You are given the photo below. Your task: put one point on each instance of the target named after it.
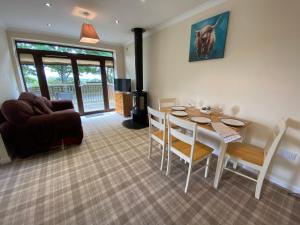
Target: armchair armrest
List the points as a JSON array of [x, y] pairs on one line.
[[62, 105], [51, 127], [59, 118]]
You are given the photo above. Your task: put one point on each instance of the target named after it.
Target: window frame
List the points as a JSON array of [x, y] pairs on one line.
[[38, 54], [61, 45]]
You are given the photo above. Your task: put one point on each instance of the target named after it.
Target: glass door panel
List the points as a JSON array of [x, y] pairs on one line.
[[29, 73], [91, 85], [60, 79], [110, 76]]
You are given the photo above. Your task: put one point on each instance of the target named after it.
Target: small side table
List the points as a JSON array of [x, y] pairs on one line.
[[123, 101]]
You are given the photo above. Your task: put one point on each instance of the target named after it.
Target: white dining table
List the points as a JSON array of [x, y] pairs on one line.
[[207, 128]]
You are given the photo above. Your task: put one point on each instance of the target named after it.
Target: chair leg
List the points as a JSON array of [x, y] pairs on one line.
[[162, 157], [188, 178], [259, 184], [150, 147], [207, 166], [169, 162]]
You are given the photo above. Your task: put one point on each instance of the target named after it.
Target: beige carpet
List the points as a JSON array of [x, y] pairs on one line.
[[110, 180]]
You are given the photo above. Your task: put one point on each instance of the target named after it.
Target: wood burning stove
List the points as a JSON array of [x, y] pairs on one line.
[[139, 112]]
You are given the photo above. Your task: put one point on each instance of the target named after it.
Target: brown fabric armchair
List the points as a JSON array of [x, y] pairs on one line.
[[34, 124]]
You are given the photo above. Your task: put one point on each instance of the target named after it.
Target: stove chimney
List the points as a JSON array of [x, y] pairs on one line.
[[138, 46], [139, 111]]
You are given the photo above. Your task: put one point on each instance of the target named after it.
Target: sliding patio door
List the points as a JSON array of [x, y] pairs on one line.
[[83, 76], [110, 77], [60, 79], [91, 85], [84, 82]]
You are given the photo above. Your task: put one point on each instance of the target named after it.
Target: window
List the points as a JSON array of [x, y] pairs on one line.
[[57, 72], [29, 73], [59, 48]]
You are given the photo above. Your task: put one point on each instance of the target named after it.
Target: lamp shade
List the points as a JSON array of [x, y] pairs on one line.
[[88, 34]]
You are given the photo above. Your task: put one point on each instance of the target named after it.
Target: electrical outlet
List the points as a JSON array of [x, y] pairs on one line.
[[291, 156]]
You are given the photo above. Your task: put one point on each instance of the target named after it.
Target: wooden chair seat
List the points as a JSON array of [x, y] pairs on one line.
[[200, 151], [246, 152]]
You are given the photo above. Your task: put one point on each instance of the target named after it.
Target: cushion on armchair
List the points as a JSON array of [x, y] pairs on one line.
[[2, 118], [16, 111], [40, 105]]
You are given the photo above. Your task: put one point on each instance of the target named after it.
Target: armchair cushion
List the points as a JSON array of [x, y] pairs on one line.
[[16, 111], [39, 104], [2, 119]]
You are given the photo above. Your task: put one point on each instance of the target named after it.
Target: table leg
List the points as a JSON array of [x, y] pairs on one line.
[[219, 169]]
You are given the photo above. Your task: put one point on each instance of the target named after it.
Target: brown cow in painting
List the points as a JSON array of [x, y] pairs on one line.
[[205, 39]]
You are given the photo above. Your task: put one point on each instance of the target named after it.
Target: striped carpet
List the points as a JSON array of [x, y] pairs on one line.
[[110, 180]]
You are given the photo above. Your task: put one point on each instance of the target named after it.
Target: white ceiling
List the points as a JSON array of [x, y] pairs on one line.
[[33, 16]]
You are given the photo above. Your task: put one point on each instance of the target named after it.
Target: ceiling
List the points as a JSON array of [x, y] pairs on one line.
[[33, 16]]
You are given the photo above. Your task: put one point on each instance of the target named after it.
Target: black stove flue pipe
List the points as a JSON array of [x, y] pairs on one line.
[[138, 46], [139, 111]]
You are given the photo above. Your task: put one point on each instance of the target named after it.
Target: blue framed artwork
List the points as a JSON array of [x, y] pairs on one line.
[[208, 38]]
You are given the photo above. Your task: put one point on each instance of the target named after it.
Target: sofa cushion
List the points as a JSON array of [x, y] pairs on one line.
[[48, 103], [16, 111], [2, 119], [40, 105], [28, 97]]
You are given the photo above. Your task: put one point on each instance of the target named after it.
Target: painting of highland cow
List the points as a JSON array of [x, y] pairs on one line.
[[208, 38]]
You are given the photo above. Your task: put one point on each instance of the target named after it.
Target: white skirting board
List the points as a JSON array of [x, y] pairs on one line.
[[279, 183]]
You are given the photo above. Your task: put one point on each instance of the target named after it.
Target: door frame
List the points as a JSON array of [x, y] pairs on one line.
[[38, 62]]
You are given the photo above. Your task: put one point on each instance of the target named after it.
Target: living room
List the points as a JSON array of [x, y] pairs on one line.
[[110, 115]]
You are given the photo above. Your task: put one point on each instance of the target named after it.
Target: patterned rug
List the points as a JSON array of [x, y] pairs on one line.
[[109, 180]]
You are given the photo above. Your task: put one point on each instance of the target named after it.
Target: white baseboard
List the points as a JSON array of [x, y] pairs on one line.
[[282, 184]]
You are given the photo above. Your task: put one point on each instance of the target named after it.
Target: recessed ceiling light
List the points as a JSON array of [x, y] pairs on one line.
[[117, 21], [48, 4], [49, 24], [143, 0]]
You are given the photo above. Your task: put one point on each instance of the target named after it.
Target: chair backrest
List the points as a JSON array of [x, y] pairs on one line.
[[185, 126], [274, 140], [166, 102], [156, 119]]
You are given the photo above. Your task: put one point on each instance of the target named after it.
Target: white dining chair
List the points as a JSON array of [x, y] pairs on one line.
[[157, 131], [166, 103], [254, 157], [186, 147]]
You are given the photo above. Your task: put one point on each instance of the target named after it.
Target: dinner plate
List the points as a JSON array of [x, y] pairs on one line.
[[178, 108], [200, 119], [233, 122], [179, 113]]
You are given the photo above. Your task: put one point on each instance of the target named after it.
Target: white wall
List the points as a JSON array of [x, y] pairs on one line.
[[259, 74], [8, 85]]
